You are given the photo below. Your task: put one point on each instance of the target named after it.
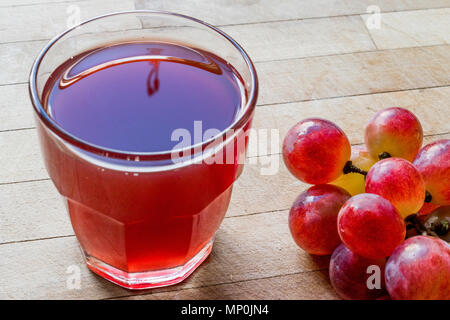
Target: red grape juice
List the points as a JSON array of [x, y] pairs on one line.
[[131, 97]]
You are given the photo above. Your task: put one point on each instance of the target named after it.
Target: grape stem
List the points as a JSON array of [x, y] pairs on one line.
[[351, 168], [428, 197], [384, 155], [438, 228]]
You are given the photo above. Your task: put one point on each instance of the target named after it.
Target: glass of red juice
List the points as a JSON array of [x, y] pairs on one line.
[[143, 119]]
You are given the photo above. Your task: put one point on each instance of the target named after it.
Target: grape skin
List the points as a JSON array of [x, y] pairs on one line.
[[419, 269], [315, 151], [370, 226], [348, 275], [313, 218]]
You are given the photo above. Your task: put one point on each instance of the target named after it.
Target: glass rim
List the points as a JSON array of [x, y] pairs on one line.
[[238, 122]]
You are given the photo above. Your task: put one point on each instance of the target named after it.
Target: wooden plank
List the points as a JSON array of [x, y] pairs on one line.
[[303, 286], [54, 18], [225, 12], [256, 193], [15, 107], [295, 39], [20, 157], [353, 74], [34, 210], [38, 269], [353, 113], [16, 60], [412, 29]]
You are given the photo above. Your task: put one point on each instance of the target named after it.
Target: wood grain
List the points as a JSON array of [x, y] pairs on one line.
[[223, 12], [412, 29]]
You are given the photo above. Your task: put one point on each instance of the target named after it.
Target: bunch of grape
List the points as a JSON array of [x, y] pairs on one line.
[[367, 199]]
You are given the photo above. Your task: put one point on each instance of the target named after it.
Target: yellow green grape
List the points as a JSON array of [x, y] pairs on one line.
[[354, 182]]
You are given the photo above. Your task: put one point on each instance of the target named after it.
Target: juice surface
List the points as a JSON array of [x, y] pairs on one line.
[[132, 96]]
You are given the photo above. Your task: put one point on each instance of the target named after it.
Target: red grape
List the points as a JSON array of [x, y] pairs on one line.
[[349, 275], [398, 181], [316, 151], [370, 226], [313, 218], [419, 269], [396, 131], [433, 162]]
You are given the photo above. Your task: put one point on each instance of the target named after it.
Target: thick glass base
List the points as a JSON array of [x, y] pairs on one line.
[[150, 279]]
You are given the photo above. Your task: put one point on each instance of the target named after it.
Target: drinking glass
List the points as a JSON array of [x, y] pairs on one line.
[[144, 219]]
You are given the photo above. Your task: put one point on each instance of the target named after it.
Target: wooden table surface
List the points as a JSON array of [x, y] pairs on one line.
[[314, 58]]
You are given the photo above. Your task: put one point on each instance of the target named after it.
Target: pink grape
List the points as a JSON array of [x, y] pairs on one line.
[[433, 162], [419, 269], [349, 274], [398, 181], [370, 226], [316, 151], [396, 131], [313, 218]]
